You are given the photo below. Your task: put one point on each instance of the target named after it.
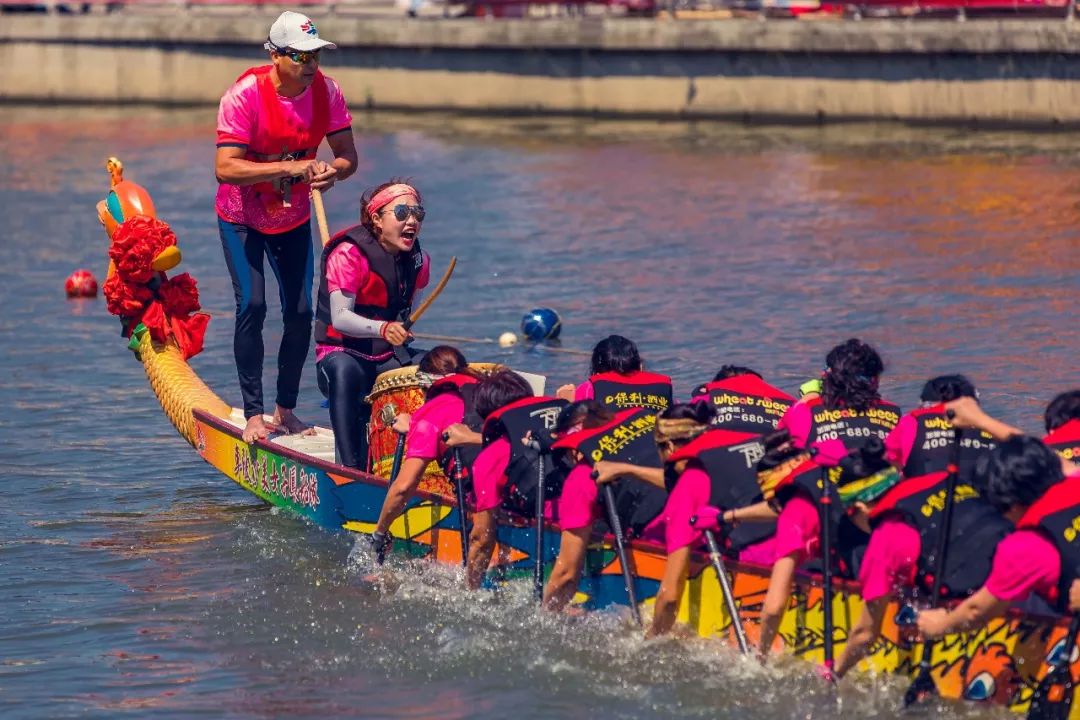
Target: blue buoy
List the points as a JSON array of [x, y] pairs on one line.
[[541, 324]]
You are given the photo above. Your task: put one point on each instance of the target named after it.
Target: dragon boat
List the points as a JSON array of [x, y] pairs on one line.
[[1001, 663]]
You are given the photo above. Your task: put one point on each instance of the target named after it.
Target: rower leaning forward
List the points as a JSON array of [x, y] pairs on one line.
[[271, 122]]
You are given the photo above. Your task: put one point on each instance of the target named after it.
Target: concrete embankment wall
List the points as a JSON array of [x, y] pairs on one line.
[[1014, 72]]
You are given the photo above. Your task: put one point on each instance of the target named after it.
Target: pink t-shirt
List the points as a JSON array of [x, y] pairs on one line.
[[346, 270], [890, 559], [577, 505], [238, 123], [900, 440], [1025, 562], [489, 478], [691, 493], [584, 391], [426, 427], [489, 474], [798, 420], [798, 529]]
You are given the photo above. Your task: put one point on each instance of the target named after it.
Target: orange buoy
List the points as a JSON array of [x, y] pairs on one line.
[[81, 284]]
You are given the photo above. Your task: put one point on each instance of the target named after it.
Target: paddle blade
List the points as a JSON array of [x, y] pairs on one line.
[[921, 689], [1053, 698]]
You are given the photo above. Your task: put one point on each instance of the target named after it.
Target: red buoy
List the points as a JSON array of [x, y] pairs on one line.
[[81, 284]]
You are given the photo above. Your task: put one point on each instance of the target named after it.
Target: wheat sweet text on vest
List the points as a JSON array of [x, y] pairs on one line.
[[732, 403]]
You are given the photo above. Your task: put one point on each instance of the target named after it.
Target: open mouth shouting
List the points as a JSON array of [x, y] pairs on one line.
[[408, 235]]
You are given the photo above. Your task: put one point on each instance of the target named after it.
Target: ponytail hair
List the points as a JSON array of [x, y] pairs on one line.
[[682, 422]]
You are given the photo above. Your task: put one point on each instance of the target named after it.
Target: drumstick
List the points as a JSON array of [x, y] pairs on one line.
[[434, 294]]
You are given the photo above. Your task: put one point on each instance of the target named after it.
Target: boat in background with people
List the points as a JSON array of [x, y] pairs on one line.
[[1002, 663]]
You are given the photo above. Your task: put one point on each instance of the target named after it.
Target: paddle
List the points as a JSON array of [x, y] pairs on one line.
[[725, 587], [824, 507], [320, 216], [538, 552], [620, 547], [400, 351], [395, 468], [459, 482], [923, 686], [1054, 695]]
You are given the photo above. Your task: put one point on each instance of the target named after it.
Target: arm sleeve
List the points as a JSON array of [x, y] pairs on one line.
[[347, 322], [346, 270]]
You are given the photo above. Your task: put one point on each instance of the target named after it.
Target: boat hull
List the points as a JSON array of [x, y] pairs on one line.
[[1001, 663]]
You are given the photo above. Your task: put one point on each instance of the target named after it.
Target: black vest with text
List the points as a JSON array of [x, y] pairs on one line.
[[387, 293], [634, 390], [975, 530], [536, 415], [851, 427], [628, 438], [932, 448], [745, 403], [730, 460]]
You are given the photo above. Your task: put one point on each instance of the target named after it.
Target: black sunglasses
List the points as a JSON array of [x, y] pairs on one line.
[[401, 212]]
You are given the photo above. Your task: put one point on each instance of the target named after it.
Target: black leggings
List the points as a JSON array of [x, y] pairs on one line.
[[345, 380]]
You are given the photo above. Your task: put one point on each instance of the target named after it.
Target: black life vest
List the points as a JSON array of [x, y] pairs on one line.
[[852, 427], [464, 386], [932, 450], [1057, 515], [1065, 440], [634, 390], [537, 415], [730, 460], [627, 438], [745, 403], [386, 295], [848, 540], [975, 530]]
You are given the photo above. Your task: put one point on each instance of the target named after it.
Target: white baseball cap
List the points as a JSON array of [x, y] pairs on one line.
[[295, 31]]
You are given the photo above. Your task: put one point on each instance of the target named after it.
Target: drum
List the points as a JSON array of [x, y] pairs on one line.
[[396, 391]]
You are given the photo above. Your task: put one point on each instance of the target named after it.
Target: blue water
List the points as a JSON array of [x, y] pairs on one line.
[[137, 581]]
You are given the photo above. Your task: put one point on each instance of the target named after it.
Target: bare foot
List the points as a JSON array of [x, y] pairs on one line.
[[257, 429], [287, 421]]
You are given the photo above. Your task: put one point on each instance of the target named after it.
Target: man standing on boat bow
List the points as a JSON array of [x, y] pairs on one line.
[[270, 125]]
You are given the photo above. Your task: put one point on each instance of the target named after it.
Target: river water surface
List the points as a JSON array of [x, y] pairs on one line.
[[136, 581]]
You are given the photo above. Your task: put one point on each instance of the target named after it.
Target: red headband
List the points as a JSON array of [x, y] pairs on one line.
[[388, 194]]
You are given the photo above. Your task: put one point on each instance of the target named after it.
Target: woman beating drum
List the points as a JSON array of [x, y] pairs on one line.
[[371, 274]]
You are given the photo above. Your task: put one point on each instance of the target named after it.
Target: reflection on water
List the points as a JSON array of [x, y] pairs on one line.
[[135, 579]]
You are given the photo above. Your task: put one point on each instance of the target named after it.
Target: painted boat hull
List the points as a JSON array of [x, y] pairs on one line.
[[999, 664]]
